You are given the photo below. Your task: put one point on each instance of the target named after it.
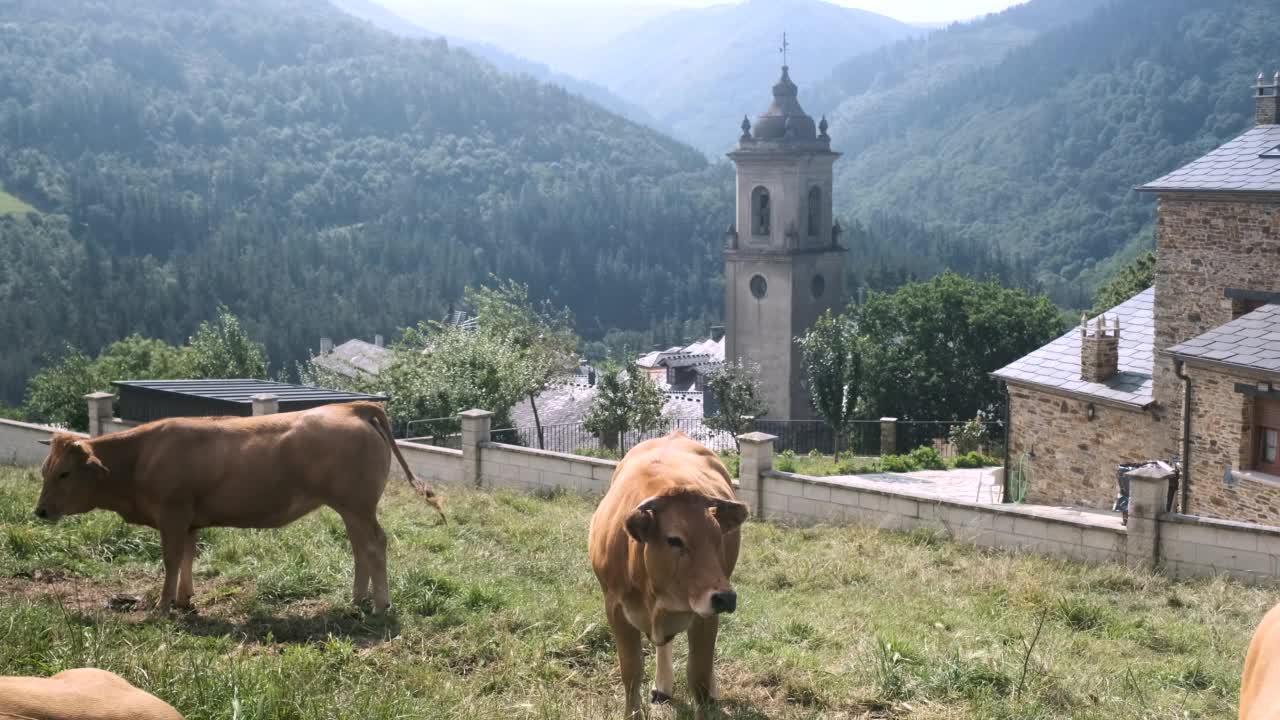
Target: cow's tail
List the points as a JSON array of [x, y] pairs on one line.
[[379, 421]]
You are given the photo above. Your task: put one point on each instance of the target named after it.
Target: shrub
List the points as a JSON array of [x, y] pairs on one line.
[[785, 462], [927, 458], [975, 460], [598, 453], [970, 436], [897, 463]]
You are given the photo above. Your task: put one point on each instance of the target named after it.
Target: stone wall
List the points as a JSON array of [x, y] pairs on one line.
[[519, 468], [1205, 246], [435, 465], [1203, 547], [19, 443], [1068, 458], [1222, 443]]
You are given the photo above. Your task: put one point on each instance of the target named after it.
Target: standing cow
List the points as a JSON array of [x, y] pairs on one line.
[[1260, 683], [183, 474], [663, 544]]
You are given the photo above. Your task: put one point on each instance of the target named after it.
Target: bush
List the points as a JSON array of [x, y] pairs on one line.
[[976, 460], [897, 463], [785, 462], [927, 458], [598, 453], [969, 437]]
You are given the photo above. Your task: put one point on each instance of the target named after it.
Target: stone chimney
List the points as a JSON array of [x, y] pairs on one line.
[[1099, 350], [379, 341], [326, 345], [717, 333], [1267, 111]]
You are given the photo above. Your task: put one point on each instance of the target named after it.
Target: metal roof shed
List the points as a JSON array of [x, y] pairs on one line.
[[146, 400]]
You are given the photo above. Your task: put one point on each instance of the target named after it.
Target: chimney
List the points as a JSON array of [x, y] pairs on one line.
[[326, 345], [717, 333], [379, 341], [1099, 350], [1267, 111]]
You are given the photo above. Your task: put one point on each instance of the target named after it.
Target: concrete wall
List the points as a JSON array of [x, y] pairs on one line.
[[519, 468], [434, 465], [1204, 246], [1200, 547], [1071, 459], [19, 443]]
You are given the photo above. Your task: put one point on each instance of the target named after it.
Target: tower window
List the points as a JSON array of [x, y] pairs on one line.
[[761, 211], [818, 286], [759, 287], [815, 212]]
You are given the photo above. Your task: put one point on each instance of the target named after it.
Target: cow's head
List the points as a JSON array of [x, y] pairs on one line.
[[71, 473], [683, 539]]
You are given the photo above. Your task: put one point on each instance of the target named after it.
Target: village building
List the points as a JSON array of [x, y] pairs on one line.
[[1188, 370], [354, 358]]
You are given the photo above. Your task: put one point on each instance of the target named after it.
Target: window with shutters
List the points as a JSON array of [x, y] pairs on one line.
[[1266, 457]]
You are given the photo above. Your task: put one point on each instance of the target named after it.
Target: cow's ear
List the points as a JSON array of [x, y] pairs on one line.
[[641, 524], [730, 515], [90, 459]]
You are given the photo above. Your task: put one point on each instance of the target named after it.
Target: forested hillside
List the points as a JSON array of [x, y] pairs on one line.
[[319, 177], [1028, 130], [699, 70]]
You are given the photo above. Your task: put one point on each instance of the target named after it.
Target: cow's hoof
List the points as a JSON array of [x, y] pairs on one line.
[[659, 698]]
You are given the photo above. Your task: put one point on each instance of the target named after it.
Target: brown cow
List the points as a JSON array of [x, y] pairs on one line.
[[663, 544], [1260, 685], [81, 694], [183, 474]]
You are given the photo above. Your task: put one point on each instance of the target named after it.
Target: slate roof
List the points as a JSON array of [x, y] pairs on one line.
[[1251, 341], [1056, 366], [354, 357], [1249, 163]]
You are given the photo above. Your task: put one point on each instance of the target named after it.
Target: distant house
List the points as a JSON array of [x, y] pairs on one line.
[[1189, 369], [354, 358]]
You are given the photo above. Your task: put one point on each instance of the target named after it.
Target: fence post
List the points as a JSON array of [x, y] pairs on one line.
[[99, 411], [888, 436], [1148, 494], [265, 404], [475, 431], [755, 460]]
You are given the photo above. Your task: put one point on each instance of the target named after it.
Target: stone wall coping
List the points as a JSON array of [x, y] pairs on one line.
[[1231, 525], [1095, 399], [41, 428], [429, 448], [593, 462], [1101, 523]]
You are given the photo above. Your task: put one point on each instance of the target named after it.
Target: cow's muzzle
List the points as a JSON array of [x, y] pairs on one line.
[[47, 516], [724, 602]]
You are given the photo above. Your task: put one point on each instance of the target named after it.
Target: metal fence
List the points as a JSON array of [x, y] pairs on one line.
[[798, 436]]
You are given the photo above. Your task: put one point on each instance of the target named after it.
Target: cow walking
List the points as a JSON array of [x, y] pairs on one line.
[[663, 543], [80, 694], [1260, 684], [183, 474]]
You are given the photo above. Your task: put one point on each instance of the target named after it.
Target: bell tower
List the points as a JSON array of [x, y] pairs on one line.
[[784, 265]]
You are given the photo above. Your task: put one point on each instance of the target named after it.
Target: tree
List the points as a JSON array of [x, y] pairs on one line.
[[625, 400], [929, 347], [221, 349], [55, 395], [1130, 280], [541, 334], [736, 390], [832, 359]]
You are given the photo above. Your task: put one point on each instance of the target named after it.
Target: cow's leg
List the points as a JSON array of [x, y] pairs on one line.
[[357, 535], [702, 653], [186, 582], [378, 567], [173, 543], [630, 660], [664, 676]]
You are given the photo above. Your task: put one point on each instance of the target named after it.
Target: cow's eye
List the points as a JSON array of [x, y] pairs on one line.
[[65, 474], [675, 542]]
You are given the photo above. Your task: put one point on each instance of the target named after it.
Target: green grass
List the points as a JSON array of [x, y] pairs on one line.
[[499, 616], [10, 205]]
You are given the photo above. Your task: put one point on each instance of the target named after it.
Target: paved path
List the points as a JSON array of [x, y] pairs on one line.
[[971, 486]]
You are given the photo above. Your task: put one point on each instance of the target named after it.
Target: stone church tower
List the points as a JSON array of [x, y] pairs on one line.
[[783, 262]]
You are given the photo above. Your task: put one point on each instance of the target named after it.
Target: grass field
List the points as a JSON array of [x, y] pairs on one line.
[[10, 205], [498, 616]]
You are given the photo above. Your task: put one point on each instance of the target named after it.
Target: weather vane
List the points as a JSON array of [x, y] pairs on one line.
[[783, 49]]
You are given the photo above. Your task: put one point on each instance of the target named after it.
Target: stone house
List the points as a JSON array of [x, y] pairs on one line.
[[1191, 371], [354, 358]]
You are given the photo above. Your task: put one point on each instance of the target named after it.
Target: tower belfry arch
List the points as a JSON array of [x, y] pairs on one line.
[[784, 265]]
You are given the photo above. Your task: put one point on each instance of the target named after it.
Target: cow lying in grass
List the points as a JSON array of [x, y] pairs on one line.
[[663, 543], [82, 694], [183, 474]]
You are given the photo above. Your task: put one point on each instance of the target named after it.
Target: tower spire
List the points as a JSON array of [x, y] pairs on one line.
[[785, 46]]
